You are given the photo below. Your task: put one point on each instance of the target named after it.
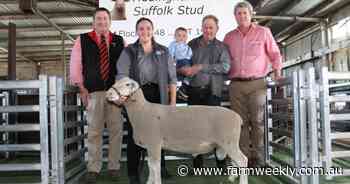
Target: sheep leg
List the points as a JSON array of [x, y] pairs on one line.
[[154, 154], [220, 153], [150, 172], [238, 160]]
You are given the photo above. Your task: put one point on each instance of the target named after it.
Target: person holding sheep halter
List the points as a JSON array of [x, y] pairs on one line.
[[151, 65]]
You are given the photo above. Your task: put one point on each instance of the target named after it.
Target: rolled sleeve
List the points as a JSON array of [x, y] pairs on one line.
[[172, 70], [273, 51], [75, 64], [123, 65]]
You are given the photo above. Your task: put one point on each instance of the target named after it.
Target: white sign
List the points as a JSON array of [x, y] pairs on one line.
[[167, 15]]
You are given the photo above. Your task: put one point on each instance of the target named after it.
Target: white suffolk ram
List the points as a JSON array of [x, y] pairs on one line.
[[192, 129]]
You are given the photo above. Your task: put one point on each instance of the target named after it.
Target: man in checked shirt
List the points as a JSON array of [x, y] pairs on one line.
[[252, 49], [92, 69]]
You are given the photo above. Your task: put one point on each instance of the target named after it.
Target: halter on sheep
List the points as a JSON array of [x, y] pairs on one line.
[[157, 126]]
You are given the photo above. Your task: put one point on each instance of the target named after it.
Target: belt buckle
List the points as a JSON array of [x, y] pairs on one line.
[[203, 87]]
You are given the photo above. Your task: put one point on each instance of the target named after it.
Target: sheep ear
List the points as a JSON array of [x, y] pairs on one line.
[[133, 85]]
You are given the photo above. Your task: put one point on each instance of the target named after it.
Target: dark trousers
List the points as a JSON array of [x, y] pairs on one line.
[[151, 93], [203, 96]]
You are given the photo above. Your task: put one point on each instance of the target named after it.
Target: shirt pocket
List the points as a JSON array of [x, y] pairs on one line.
[[255, 48]]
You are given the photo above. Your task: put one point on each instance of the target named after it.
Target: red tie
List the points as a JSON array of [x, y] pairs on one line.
[[104, 64]]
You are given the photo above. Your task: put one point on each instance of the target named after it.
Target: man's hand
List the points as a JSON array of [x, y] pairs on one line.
[[190, 71], [84, 95], [277, 75], [196, 68]]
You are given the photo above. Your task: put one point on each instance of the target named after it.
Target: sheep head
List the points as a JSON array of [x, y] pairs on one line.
[[120, 4], [122, 88]]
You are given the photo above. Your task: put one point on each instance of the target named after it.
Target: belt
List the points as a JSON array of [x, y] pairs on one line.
[[149, 84], [200, 87], [247, 79]]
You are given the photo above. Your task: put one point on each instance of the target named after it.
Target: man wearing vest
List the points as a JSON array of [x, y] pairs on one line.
[[93, 58]]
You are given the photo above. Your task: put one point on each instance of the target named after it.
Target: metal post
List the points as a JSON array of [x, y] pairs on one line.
[[44, 137], [53, 130], [325, 121], [268, 125], [57, 129], [303, 133], [313, 128], [12, 137], [12, 52], [5, 117], [64, 57], [325, 43], [296, 113], [60, 130], [80, 118]]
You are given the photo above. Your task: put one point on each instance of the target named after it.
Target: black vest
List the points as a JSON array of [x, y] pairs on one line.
[[91, 62]]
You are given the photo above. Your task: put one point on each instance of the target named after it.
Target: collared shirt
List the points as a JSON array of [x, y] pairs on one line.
[[75, 65], [148, 70], [252, 53], [214, 58], [180, 50], [147, 66]]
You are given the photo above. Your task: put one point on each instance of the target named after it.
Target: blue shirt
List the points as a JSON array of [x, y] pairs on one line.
[[180, 50]]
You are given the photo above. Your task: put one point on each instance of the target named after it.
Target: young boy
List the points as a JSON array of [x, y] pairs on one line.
[[182, 54]]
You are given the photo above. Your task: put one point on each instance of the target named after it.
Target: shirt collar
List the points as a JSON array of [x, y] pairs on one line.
[[202, 42], [96, 38], [252, 26]]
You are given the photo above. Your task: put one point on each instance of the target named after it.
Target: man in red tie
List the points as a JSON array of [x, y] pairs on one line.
[[93, 58]]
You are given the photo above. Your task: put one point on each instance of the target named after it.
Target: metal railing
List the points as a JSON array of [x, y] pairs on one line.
[[61, 115], [331, 117], [41, 126], [67, 133], [292, 118], [282, 123], [4, 121], [298, 124]]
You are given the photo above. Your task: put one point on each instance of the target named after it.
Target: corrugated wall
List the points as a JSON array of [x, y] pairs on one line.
[[25, 71]]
